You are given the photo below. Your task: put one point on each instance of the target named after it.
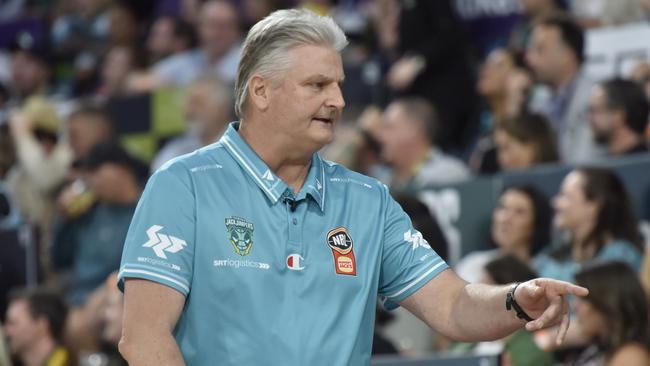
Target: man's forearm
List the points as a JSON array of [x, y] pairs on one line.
[[479, 313]]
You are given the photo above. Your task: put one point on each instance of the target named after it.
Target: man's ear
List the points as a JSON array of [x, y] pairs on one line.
[[258, 92]]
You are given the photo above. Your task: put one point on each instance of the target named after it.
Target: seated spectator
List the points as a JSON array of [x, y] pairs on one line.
[[406, 137], [30, 69], [619, 116], [88, 126], [89, 248], [521, 225], [119, 64], [524, 141], [208, 109], [614, 316], [499, 85], [218, 52], [519, 348], [34, 328], [556, 56], [595, 210], [169, 36]]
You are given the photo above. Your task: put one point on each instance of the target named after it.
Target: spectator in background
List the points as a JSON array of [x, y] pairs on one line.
[[118, 65], [504, 87], [127, 21], [593, 14], [88, 248], [534, 11], [91, 246], [556, 55], [42, 161], [88, 126], [34, 328], [614, 316], [30, 70], [524, 141], [521, 226], [80, 35], [218, 53], [518, 349], [595, 210], [207, 112], [434, 62], [169, 36], [407, 131], [619, 116]]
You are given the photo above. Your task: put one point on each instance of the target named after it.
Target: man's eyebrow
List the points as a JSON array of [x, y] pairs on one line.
[[321, 77]]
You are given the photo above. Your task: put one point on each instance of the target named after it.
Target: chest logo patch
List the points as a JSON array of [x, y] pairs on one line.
[[342, 250], [240, 234]]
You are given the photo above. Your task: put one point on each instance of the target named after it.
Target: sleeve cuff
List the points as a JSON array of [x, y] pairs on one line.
[[391, 301], [157, 276]]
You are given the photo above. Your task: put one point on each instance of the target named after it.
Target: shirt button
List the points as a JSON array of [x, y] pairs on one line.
[[295, 222]]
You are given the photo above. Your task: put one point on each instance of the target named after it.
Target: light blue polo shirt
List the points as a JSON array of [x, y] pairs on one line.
[[268, 281]]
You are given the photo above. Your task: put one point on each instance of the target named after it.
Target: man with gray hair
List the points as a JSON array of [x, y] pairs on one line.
[[254, 251]]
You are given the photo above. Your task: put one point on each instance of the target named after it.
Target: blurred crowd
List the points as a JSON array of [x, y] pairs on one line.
[[435, 96]]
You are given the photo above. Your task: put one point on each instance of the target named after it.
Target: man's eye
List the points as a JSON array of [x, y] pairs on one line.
[[318, 85]]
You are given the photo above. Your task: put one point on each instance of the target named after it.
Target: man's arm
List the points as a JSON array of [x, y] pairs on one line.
[[477, 312], [151, 311]]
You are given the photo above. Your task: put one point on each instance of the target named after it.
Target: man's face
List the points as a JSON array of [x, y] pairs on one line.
[[21, 329], [106, 181], [546, 53], [27, 73], [86, 131], [308, 101], [600, 117], [218, 27], [204, 112], [397, 134]]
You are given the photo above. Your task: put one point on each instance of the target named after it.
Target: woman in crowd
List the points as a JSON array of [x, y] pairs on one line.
[[614, 316], [520, 226], [595, 210], [524, 141]]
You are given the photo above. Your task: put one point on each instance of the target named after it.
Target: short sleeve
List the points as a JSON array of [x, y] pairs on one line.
[[407, 262], [160, 242]]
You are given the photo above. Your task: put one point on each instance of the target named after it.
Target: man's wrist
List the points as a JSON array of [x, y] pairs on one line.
[[512, 304]]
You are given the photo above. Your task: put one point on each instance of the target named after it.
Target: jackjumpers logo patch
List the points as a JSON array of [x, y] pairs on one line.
[[341, 244], [240, 234]]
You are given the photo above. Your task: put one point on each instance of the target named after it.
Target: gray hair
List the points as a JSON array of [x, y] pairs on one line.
[[265, 48]]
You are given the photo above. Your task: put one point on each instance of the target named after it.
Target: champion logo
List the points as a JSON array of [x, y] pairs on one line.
[[268, 176], [161, 243], [295, 262]]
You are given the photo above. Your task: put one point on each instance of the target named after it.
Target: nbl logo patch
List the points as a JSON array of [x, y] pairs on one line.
[[341, 244]]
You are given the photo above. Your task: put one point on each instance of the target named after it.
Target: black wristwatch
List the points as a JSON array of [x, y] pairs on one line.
[[511, 303]]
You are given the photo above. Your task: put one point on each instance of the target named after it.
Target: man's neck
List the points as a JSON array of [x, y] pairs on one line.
[[37, 355], [287, 162], [562, 82], [498, 107], [623, 141]]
